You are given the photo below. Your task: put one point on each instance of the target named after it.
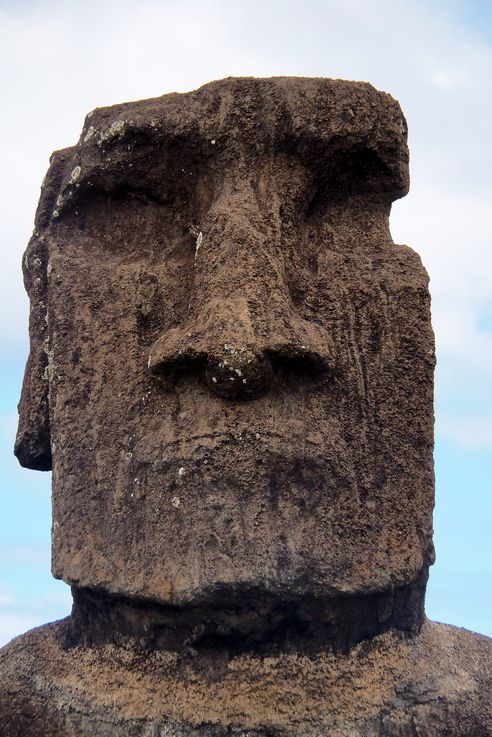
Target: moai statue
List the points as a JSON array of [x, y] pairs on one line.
[[231, 376]]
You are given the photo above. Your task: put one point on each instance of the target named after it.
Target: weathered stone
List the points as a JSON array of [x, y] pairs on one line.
[[434, 684], [226, 314], [231, 372]]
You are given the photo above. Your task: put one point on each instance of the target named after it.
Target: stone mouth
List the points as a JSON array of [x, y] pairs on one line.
[[245, 439], [236, 435], [265, 625]]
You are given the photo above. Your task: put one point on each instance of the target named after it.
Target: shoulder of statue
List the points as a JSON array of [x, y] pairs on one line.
[[452, 681], [25, 664]]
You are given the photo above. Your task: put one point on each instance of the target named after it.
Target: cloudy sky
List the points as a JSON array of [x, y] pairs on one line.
[[58, 60]]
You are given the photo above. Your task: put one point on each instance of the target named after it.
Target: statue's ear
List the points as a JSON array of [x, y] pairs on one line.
[[33, 441], [33, 444]]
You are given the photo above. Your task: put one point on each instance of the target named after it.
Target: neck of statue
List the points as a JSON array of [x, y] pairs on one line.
[[260, 624]]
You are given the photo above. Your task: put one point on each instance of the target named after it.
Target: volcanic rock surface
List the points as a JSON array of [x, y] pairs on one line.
[[231, 376], [435, 684], [239, 360]]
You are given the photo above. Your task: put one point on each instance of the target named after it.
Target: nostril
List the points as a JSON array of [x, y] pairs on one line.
[[183, 363], [243, 372], [298, 364], [239, 373]]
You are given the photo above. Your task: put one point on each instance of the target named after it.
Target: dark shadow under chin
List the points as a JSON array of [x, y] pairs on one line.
[[234, 621]]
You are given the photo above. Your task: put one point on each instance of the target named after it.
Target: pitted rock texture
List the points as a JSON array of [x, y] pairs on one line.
[[434, 684], [237, 359], [260, 625], [231, 375]]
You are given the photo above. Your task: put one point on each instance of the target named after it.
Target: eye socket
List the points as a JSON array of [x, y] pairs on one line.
[[348, 175]]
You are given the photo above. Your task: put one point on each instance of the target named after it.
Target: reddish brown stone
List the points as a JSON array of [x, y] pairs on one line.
[[231, 372], [240, 359]]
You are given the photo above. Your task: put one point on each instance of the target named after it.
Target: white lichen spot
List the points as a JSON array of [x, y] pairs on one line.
[[175, 501], [214, 379], [59, 200], [198, 235], [199, 240], [213, 141], [89, 134], [56, 214], [116, 130], [75, 174], [181, 471]]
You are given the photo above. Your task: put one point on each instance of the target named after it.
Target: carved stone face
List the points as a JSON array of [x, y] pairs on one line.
[[238, 360]]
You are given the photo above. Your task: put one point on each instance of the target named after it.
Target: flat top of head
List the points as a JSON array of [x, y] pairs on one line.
[[320, 121]]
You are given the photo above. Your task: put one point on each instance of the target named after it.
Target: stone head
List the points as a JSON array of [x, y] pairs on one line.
[[231, 362]]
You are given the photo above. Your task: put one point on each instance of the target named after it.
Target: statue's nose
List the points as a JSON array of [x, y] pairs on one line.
[[239, 372], [223, 344], [237, 356], [241, 320]]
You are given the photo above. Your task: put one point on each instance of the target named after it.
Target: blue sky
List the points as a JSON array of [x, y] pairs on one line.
[[59, 60]]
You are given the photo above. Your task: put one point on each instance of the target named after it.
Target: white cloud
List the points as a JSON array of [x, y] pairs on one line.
[[12, 625], [450, 79]]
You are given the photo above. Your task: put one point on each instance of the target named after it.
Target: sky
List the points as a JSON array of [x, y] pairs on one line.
[[59, 60]]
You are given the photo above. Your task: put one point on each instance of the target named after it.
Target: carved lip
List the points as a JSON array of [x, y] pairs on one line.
[[235, 438]]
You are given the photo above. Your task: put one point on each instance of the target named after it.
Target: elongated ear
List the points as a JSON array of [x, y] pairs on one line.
[[33, 441], [33, 444]]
